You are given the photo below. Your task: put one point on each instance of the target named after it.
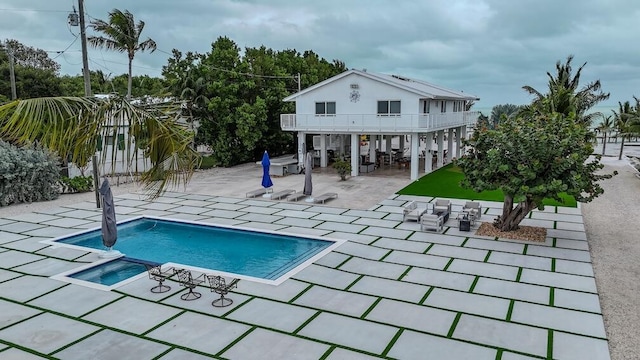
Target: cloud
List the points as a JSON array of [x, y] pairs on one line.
[[489, 48]]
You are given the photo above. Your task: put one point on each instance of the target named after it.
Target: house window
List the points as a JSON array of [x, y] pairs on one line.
[[426, 106], [326, 108], [443, 106], [389, 107]]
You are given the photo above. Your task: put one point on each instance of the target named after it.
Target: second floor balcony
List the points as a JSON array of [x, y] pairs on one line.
[[374, 123]]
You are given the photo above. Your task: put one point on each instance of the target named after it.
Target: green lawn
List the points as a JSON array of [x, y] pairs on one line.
[[445, 182]]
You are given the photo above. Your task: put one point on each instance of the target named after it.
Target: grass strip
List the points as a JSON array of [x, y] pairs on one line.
[[392, 342], [486, 258], [364, 315], [453, 326], [510, 311], [464, 242], [519, 274], [237, 340], [553, 264], [385, 255], [353, 282], [163, 323], [344, 262], [448, 264], [327, 353], [27, 350], [550, 345], [300, 294], [473, 284], [310, 319], [405, 273], [551, 296], [426, 295], [76, 341], [428, 248]]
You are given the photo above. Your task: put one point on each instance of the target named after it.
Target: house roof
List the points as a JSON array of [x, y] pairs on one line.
[[419, 87]]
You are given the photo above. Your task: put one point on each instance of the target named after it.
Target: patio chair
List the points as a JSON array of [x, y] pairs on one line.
[[442, 205], [431, 222], [324, 197], [411, 212], [219, 285], [155, 273], [188, 281], [281, 194], [473, 208]]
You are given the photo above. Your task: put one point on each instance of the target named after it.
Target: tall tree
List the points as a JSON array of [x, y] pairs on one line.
[[498, 111], [29, 56], [564, 95], [121, 34], [627, 121], [605, 126]]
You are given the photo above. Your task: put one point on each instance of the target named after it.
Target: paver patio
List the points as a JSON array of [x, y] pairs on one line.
[[391, 291]]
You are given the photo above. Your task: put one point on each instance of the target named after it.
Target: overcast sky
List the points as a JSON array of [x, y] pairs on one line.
[[488, 48]]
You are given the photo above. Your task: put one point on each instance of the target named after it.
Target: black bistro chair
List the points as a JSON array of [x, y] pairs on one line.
[[189, 282], [219, 286], [155, 273]]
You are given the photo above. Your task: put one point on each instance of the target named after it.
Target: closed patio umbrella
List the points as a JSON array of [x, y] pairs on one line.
[[266, 178], [308, 167], [109, 225]]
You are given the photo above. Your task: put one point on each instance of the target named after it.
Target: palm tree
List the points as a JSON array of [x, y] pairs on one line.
[[122, 34], [71, 126], [564, 96], [605, 126], [627, 121]]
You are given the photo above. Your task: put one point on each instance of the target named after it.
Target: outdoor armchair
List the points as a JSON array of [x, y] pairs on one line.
[[411, 212], [219, 285], [189, 282], [473, 208], [442, 205], [431, 222]]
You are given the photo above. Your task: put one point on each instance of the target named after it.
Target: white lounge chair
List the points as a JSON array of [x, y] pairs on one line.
[[296, 196], [259, 192], [324, 197], [431, 222], [411, 212], [281, 194]]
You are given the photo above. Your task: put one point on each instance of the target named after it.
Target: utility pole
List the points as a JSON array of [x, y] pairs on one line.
[[85, 61], [299, 82], [12, 73]]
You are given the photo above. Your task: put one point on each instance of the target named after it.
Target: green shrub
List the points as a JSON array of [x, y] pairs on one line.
[[76, 184], [343, 168], [28, 174], [207, 162]]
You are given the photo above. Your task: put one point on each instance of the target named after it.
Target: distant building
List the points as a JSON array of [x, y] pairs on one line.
[[359, 104]]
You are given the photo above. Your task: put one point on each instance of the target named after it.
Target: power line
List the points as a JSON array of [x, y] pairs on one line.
[[67, 48]]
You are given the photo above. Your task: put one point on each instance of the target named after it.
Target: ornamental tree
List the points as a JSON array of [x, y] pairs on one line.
[[532, 157]]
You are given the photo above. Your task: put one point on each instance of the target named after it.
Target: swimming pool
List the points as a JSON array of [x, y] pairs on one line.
[[111, 272], [246, 252]]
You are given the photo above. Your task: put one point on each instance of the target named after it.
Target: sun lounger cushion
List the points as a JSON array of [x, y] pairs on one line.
[[258, 192], [324, 197]]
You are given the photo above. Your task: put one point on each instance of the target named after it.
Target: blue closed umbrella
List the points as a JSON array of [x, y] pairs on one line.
[[266, 179]]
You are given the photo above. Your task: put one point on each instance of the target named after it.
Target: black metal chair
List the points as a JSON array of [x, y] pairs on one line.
[[188, 281], [155, 273], [219, 286]]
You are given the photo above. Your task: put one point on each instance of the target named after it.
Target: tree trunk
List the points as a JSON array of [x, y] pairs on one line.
[[129, 80], [511, 217], [604, 142], [621, 148]]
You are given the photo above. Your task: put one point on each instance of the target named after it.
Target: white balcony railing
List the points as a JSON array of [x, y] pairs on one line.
[[376, 123]]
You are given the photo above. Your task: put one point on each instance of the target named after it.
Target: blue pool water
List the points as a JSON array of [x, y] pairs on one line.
[[111, 273], [250, 253]]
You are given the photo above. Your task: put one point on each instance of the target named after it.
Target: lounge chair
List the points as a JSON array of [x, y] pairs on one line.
[[296, 196], [219, 285], [188, 281], [411, 212], [432, 222], [473, 208], [259, 192], [281, 194], [442, 205], [324, 197], [156, 274]]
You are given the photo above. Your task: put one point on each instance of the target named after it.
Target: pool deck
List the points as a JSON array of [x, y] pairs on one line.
[[390, 291]]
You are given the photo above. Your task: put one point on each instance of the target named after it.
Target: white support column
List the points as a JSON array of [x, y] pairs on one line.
[[401, 146], [450, 145], [463, 135], [301, 149], [428, 155], [440, 148], [372, 148], [343, 142], [458, 142], [323, 150], [387, 146], [355, 154], [415, 161]]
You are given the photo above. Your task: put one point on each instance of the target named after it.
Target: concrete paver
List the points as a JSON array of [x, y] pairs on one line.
[[105, 343], [413, 345]]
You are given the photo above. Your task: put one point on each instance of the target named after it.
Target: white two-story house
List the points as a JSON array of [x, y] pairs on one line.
[[357, 102]]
